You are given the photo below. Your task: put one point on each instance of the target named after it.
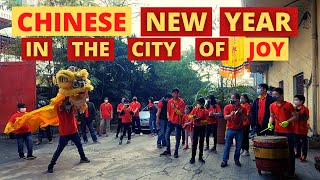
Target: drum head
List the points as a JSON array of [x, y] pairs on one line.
[[270, 139]]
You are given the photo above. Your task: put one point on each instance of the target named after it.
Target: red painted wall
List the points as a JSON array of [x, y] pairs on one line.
[[17, 85]]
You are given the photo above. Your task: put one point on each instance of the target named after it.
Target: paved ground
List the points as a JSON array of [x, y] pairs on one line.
[[138, 160]]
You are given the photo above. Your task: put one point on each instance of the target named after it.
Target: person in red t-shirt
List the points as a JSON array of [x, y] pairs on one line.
[[282, 114], [68, 131], [199, 116], [187, 125], [214, 112], [119, 109], [245, 102], [126, 115], [106, 115], [136, 107], [300, 127], [23, 134], [175, 108], [235, 115]]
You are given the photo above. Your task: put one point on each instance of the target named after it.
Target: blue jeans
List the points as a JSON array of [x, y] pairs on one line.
[[84, 131], [170, 128], [162, 130], [48, 131], [237, 134], [27, 139], [291, 144], [63, 141], [152, 124]]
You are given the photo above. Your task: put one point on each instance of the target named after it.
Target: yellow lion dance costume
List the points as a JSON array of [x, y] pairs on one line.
[[72, 83]]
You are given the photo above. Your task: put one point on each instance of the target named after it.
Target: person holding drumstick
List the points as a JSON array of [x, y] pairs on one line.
[[282, 114]]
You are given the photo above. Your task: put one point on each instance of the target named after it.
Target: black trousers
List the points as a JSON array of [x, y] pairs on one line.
[[211, 128], [119, 126], [126, 127], [245, 138], [198, 131], [183, 136], [302, 143]]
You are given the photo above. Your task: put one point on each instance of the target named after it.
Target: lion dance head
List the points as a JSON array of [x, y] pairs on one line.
[[74, 83]]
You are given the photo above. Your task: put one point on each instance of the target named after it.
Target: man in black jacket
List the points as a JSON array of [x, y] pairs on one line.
[[260, 111], [87, 119]]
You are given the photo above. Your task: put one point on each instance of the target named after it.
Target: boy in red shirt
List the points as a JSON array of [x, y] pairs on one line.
[[106, 115], [119, 109], [23, 134], [136, 107], [282, 114], [68, 131], [200, 117], [235, 114], [244, 100], [187, 125], [175, 108], [301, 127], [126, 115], [214, 112]]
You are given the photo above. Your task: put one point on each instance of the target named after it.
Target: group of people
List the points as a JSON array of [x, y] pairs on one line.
[[269, 114]]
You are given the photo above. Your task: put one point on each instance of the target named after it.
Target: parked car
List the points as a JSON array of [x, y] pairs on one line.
[[144, 118]]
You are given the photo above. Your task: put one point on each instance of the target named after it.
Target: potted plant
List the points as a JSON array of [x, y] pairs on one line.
[[317, 162]]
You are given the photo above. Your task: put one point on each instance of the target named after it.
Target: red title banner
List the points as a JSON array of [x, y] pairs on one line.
[[259, 21], [163, 21]]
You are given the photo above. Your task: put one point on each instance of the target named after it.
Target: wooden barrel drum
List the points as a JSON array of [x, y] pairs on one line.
[[271, 154]]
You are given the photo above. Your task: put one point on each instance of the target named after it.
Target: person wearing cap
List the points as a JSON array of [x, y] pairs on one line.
[[136, 107], [68, 131], [126, 114], [260, 111], [162, 120], [23, 134], [106, 115], [119, 109], [200, 116], [235, 115], [175, 110]]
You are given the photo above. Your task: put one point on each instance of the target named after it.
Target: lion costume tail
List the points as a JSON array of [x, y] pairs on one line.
[[41, 117]]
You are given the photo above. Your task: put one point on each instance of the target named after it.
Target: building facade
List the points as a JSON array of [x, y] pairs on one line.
[[299, 75]]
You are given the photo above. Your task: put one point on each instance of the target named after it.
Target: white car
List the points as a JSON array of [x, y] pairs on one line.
[[145, 116]]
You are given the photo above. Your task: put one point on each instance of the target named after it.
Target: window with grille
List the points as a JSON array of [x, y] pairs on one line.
[[298, 84]]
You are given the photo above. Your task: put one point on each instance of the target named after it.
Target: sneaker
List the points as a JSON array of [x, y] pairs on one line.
[[51, 142], [245, 153], [85, 160], [141, 134], [159, 146], [202, 160], [120, 142], [238, 163], [224, 164], [151, 134], [176, 155], [30, 157], [38, 143], [165, 153], [206, 148], [213, 149], [192, 161], [303, 158], [85, 142], [50, 168], [185, 147], [253, 158], [242, 151], [132, 134], [22, 157], [128, 142]]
